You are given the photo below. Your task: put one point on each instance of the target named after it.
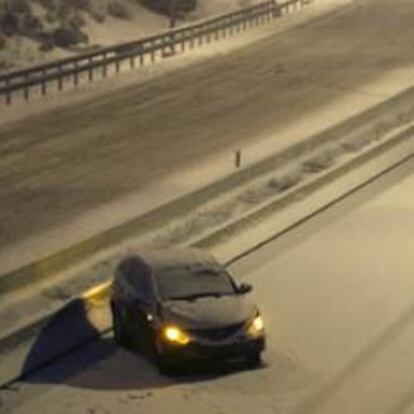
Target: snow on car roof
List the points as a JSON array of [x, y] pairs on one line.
[[188, 258]]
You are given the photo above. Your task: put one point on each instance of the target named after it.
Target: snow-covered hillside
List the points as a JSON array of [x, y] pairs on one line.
[[38, 30]]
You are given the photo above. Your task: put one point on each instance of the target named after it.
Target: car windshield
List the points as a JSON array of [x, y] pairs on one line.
[[190, 283]]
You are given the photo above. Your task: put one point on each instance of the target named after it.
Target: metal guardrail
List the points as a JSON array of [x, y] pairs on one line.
[[72, 68]]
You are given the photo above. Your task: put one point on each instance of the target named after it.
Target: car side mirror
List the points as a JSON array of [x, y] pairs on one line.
[[245, 288]]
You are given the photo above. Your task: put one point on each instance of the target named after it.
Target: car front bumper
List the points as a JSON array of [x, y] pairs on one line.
[[203, 351]]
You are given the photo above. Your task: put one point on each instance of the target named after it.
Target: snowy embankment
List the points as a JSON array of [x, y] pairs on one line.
[[102, 23]]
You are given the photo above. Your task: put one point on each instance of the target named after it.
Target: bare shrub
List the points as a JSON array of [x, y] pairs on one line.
[[119, 10], [3, 41], [20, 7], [50, 5], [76, 21], [164, 6], [63, 12], [46, 41], [99, 15], [9, 23], [51, 17], [81, 4], [30, 25], [66, 37]]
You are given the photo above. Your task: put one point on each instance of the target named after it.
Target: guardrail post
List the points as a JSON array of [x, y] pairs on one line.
[[249, 19], [26, 89], [44, 83], [182, 41], [90, 71], [200, 39], [8, 93], [152, 52], [105, 66], [141, 57], [163, 50], [60, 78], [117, 64], [217, 33], [172, 41], [191, 39], [75, 75]]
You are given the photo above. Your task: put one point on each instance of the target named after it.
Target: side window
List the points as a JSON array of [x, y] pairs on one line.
[[141, 285], [137, 279], [146, 291]]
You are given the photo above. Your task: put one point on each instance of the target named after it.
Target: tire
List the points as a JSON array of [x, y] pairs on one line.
[[120, 335], [164, 365], [165, 368], [254, 359]]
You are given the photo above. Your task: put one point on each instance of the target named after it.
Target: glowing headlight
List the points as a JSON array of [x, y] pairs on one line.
[[256, 327], [175, 335]]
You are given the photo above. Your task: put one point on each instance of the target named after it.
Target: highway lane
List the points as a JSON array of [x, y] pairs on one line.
[[336, 294]]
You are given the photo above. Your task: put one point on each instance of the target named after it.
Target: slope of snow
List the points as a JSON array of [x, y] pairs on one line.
[[142, 22]]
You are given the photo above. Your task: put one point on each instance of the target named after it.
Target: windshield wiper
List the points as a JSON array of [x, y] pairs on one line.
[[195, 296]]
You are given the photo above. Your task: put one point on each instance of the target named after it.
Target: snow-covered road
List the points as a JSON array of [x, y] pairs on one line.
[[336, 294], [60, 166]]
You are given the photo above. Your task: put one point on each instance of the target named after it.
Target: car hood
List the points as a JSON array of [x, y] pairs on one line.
[[209, 312]]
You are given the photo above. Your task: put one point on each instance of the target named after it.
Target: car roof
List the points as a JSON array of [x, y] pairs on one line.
[[156, 261]]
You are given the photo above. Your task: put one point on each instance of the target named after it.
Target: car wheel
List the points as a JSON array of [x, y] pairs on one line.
[[164, 365], [120, 335], [254, 359]]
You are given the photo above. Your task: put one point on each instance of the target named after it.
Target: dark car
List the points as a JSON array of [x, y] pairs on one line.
[[182, 306]]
